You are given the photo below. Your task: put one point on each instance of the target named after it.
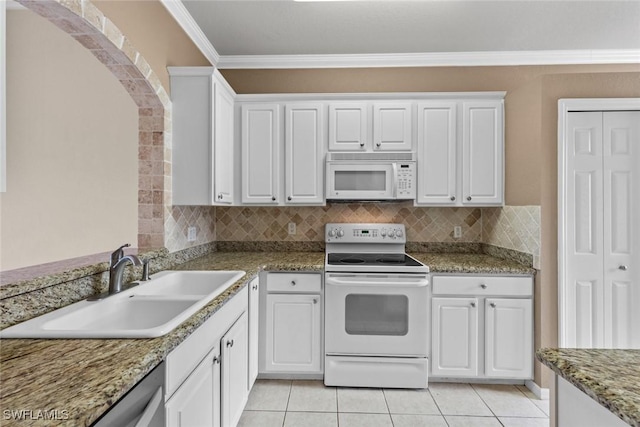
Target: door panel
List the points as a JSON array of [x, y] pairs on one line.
[[454, 337]]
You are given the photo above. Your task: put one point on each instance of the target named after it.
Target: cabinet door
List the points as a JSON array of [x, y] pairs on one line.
[[223, 142], [304, 153], [482, 153], [192, 405], [260, 153], [437, 154], [254, 314], [392, 129], [348, 127], [454, 351], [293, 333], [234, 371], [508, 338]]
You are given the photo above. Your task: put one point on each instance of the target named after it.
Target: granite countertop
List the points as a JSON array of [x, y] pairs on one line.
[[610, 377], [82, 378]]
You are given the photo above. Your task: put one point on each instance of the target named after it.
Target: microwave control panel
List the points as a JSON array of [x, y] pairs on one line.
[[406, 180]]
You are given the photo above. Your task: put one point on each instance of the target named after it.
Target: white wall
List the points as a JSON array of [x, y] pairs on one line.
[[72, 144]]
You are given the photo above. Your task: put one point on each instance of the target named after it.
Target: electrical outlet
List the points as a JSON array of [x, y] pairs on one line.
[[457, 232], [292, 228], [191, 234]]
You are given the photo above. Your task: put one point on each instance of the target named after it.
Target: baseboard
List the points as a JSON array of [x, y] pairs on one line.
[[541, 393]]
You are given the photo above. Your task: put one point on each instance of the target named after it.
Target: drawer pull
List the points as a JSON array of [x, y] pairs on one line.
[[483, 286], [230, 343]]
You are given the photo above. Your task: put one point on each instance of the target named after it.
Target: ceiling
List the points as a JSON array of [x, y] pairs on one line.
[[392, 27]]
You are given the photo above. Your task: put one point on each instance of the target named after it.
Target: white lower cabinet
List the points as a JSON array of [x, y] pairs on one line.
[[482, 327], [293, 324], [254, 325], [207, 374]]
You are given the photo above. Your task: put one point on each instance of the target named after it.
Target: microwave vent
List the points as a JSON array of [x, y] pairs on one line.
[[371, 156]]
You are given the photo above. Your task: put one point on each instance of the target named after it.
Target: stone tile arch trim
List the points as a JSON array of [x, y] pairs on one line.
[[83, 21]]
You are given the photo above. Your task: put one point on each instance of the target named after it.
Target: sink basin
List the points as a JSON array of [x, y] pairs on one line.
[[149, 310]]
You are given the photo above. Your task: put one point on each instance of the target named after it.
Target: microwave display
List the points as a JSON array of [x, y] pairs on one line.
[[365, 180]]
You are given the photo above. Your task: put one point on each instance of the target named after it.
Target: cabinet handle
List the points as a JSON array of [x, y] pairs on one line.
[[216, 360], [623, 267], [315, 300], [254, 287], [468, 198], [473, 304], [293, 283], [493, 305], [273, 198], [483, 286], [230, 343], [453, 198]]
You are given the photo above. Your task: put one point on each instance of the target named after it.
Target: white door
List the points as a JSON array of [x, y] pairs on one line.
[[392, 129], [348, 127], [601, 234], [293, 333], [223, 142], [254, 325], [454, 337], [260, 153], [437, 153], [192, 405], [234, 372], [621, 192], [482, 152], [304, 153], [508, 338]]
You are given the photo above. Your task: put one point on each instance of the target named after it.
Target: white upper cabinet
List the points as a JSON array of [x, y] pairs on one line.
[[203, 122], [482, 153], [304, 153], [392, 129], [260, 154], [460, 153], [348, 127], [437, 149]]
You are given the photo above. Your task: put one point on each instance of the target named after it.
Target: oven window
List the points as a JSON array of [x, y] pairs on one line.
[[360, 180], [376, 314]]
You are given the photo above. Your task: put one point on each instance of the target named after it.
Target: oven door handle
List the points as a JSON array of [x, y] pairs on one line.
[[418, 283]]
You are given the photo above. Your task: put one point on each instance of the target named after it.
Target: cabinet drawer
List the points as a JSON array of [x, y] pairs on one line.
[[294, 282], [483, 285]]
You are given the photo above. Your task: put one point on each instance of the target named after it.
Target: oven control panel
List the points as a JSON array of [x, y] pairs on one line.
[[365, 233]]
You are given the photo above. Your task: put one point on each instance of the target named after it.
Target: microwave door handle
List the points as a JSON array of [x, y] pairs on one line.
[[394, 167]]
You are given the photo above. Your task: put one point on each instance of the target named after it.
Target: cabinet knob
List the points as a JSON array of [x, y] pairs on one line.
[[493, 305], [483, 286], [473, 304], [468, 198], [289, 198], [254, 287], [623, 267], [362, 144], [453, 198], [378, 144], [219, 196], [216, 360], [293, 283], [230, 343], [315, 300], [273, 198]]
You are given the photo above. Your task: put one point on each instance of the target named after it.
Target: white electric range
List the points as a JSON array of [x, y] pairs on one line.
[[376, 308]]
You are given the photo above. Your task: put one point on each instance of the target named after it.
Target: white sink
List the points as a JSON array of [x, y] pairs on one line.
[[149, 310]]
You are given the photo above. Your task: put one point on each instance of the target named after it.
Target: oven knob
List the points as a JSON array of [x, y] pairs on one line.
[[383, 232], [332, 233], [392, 234], [399, 233], [340, 233]]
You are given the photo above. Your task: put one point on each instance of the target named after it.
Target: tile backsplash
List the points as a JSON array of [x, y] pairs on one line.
[[513, 227], [271, 223]]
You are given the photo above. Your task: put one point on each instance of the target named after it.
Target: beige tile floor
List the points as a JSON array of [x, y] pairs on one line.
[[284, 403]]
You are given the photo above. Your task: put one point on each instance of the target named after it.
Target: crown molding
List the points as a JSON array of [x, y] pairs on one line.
[[182, 16], [369, 96], [435, 59]]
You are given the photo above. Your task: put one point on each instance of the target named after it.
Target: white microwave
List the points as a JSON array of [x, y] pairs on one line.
[[370, 176]]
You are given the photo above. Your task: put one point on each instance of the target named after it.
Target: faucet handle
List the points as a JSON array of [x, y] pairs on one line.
[[145, 271], [118, 254]]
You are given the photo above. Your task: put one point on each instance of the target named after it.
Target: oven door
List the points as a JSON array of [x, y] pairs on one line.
[[376, 314], [360, 181]]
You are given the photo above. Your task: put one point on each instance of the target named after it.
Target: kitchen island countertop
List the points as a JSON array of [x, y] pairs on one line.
[[610, 377], [80, 379]]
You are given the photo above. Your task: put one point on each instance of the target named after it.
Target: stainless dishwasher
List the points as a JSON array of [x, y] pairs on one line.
[[142, 406]]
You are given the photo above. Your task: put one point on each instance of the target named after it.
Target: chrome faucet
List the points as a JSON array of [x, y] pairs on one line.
[[116, 269]]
